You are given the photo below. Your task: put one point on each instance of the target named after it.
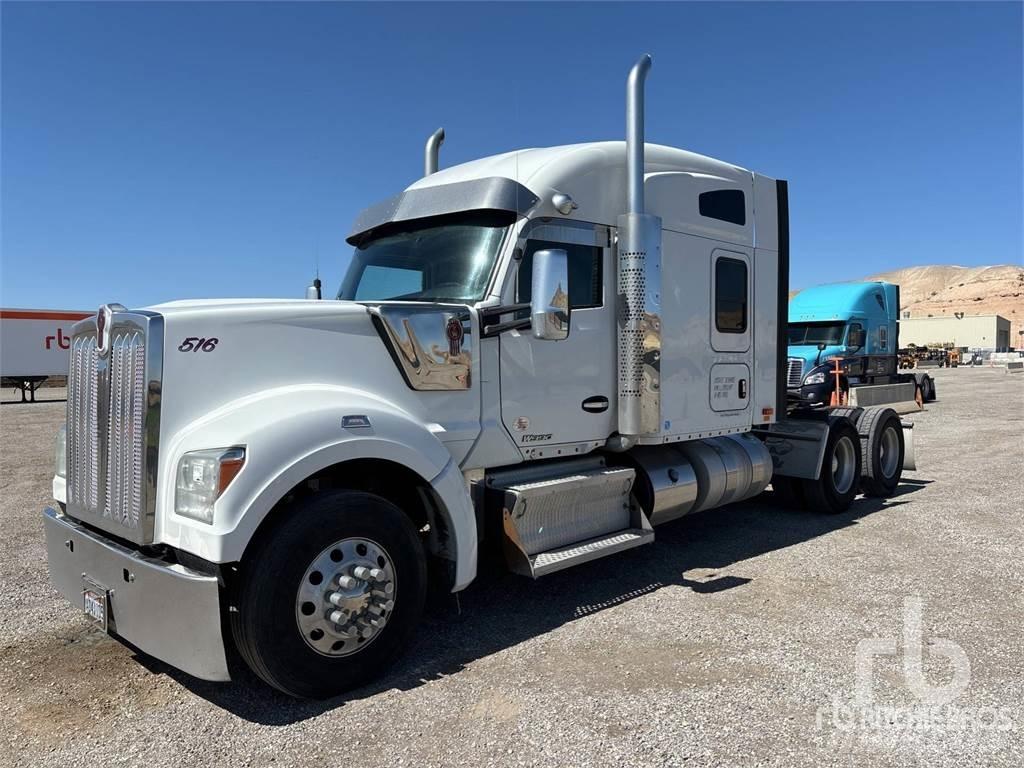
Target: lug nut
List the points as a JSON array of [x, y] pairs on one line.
[[361, 572], [336, 597], [378, 623], [387, 605], [384, 590], [338, 617], [376, 574], [346, 582], [376, 610]]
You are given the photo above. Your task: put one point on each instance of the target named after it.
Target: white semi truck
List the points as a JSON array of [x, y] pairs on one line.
[[534, 358]]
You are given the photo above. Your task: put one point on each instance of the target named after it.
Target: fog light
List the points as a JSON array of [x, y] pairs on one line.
[[202, 477]]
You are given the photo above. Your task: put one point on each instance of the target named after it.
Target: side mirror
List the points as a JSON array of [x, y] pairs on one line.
[[549, 297], [822, 346]]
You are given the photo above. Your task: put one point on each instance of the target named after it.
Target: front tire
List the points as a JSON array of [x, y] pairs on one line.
[[331, 596]]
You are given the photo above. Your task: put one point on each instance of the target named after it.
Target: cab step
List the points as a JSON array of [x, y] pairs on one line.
[[557, 559], [559, 514]]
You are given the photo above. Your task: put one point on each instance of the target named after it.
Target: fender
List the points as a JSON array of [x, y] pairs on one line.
[[289, 434]]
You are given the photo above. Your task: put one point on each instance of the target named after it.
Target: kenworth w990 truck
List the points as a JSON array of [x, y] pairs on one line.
[[534, 358]]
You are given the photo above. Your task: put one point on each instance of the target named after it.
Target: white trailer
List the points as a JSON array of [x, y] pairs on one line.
[[34, 345], [534, 358]]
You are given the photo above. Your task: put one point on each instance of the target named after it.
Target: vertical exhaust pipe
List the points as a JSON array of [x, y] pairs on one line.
[[635, 134], [639, 285], [431, 151]]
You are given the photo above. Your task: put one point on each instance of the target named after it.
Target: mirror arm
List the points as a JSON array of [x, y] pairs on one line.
[[489, 329]]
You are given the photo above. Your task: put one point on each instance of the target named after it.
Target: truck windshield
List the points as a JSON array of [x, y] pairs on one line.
[[441, 260], [815, 333]]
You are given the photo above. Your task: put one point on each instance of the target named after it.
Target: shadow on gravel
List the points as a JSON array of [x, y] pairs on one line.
[[499, 612]]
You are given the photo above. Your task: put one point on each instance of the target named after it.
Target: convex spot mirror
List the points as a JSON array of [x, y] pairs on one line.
[[549, 297]]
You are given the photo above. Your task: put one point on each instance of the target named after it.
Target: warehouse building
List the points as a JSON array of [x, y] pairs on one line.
[[982, 332]]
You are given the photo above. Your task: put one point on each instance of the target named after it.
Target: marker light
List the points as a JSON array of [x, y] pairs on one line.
[[202, 477]]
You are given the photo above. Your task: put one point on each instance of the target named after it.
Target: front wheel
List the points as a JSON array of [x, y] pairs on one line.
[[331, 596]]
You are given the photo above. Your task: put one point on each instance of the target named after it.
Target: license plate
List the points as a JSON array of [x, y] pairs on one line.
[[94, 603]]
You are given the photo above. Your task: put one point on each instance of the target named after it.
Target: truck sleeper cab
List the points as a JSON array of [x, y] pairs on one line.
[[535, 358]]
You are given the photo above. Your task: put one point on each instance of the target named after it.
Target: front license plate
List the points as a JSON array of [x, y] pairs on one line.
[[94, 603]]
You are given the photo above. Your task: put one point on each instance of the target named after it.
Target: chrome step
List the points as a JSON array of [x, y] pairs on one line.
[[553, 560]]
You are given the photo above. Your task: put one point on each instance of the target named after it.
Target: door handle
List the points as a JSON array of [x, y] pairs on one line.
[[595, 404], [743, 389]]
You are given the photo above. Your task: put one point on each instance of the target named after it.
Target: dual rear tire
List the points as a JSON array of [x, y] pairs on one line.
[[864, 452]]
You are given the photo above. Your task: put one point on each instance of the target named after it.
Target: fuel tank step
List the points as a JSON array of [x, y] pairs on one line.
[[563, 513], [556, 559]]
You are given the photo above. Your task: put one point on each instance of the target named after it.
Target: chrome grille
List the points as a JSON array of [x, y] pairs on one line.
[[124, 429], [113, 414], [795, 372]]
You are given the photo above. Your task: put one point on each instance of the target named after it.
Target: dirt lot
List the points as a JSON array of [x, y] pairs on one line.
[[732, 640]]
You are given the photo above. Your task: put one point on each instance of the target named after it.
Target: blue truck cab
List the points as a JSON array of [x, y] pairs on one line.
[[855, 322]]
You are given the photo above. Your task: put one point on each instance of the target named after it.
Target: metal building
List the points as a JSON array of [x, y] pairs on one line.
[[983, 332]]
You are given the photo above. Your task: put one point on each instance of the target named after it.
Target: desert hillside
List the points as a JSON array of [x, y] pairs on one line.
[[942, 289]]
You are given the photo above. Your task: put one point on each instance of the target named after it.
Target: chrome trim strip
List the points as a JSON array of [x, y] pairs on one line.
[[490, 194]]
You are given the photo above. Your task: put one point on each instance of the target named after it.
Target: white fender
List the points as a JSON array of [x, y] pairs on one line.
[[289, 434]]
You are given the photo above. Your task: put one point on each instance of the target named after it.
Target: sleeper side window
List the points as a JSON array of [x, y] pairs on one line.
[[730, 295], [725, 205], [585, 278]]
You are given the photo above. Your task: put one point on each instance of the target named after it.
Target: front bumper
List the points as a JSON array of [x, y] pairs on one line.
[[163, 609]]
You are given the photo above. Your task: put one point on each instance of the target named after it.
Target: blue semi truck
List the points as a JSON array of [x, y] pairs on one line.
[[855, 322]]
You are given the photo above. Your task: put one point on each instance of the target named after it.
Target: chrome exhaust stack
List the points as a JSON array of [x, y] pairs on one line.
[[431, 151], [639, 282]]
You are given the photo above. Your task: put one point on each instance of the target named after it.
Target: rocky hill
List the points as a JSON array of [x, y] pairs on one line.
[[944, 289], [941, 289]]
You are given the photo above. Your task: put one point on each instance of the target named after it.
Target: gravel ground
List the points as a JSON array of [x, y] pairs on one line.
[[731, 640]]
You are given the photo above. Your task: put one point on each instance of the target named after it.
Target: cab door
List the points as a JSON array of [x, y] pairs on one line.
[[731, 330], [558, 397]]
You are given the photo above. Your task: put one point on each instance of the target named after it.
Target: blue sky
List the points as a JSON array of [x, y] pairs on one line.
[[153, 152]]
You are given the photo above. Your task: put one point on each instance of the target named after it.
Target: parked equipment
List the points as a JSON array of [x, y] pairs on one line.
[[857, 325], [534, 358]]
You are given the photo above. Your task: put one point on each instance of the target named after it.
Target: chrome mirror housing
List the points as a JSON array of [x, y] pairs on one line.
[[549, 297]]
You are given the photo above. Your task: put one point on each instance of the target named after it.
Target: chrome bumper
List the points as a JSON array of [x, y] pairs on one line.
[[166, 610]]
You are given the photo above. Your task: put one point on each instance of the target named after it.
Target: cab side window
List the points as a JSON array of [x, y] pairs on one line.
[[730, 295], [585, 279]]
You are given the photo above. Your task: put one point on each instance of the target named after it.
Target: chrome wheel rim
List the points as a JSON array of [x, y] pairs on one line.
[[889, 452], [842, 465], [345, 597]]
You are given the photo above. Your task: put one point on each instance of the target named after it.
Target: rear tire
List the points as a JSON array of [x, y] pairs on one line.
[[882, 449], [340, 530], [836, 486]]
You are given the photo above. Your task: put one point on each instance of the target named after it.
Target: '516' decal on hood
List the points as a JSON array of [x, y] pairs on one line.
[[197, 344]]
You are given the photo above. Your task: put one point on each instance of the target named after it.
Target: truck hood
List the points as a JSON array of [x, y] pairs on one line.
[[221, 351]]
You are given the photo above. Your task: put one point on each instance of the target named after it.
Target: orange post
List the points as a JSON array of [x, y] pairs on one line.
[[837, 397]]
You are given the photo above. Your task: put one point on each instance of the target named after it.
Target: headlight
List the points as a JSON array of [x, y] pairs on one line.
[[815, 378], [61, 451], [202, 477]]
